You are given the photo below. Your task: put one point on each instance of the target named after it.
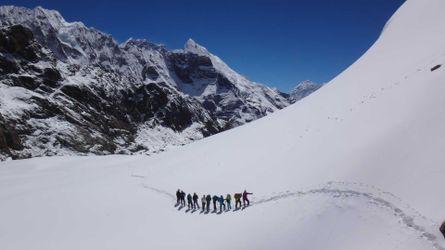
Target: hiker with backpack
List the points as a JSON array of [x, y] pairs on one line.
[[208, 200], [189, 201], [221, 203], [214, 199], [182, 198], [237, 197], [203, 202], [178, 197], [229, 201], [245, 199], [195, 201]]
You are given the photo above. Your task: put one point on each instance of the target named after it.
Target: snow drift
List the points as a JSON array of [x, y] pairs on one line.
[[356, 165]]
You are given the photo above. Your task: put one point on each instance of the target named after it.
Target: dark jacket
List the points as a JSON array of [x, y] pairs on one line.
[[178, 194], [221, 200], [215, 198], [245, 195]]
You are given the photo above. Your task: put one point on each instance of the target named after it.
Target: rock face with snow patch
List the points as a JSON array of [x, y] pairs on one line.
[[69, 89]]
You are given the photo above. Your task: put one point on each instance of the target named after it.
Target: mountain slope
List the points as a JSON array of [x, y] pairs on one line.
[[75, 90], [361, 170]]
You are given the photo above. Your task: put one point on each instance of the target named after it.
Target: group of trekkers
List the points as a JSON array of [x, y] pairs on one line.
[[224, 203]]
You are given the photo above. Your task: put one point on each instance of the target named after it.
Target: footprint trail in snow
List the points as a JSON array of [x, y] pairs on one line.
[[407, 216]]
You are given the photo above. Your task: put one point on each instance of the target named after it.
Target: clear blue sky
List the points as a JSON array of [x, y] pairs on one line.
[[276, 42]]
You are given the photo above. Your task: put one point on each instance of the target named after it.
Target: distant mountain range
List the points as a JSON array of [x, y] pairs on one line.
[[69, 89]]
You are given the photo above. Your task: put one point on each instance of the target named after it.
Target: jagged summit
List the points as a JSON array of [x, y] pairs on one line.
[[193, 47], [53, 17]]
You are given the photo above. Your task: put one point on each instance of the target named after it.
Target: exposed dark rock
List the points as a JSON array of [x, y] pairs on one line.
[[18, 40], [150, 73], [7, 66], [27, 82], [9, 139]]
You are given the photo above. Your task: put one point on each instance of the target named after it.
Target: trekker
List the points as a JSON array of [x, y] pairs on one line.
[[229, 200], [215, 199], [221, 204], [182, 198], [178, 197], [208, 200], [442, 229], [203, 202], [195, 201], [237, 197], [189, 201], [245, 199]]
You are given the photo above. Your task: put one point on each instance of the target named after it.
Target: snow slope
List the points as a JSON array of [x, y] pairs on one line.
[[361, 168]]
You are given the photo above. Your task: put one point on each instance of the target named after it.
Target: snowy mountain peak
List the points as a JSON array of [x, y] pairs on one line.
[[306, 83], [140, 43], [39, 14], [303, 89], [192, 47]]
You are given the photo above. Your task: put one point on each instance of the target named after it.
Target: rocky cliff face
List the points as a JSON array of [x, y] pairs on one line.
[[69, 89]]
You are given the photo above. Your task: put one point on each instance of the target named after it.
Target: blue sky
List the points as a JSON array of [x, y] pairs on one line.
[[276, 42]]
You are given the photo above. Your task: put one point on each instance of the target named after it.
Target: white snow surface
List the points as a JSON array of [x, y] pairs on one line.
[[356, 165]]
